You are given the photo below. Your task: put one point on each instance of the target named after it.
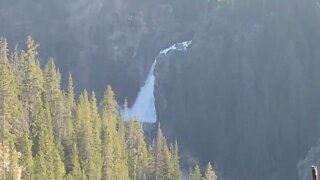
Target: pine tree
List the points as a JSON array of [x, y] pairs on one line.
[[195, 174], [84, 135], [168, 167], [32, 82], [5, 92], [96, 129], [210, 174], [15, 65], [108, 142], [40, 170], [11, 115], [176, 174], [158, 154], [45, 147], [109, 102], [58, 166], [54, 97], [113, 139], [68, 134], [76, 171], [26, 159], [70, 92], [14, 171], [121, 151], [151, 163], [137, 151]]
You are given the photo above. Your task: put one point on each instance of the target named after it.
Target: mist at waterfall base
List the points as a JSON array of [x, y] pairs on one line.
[[144, 105]]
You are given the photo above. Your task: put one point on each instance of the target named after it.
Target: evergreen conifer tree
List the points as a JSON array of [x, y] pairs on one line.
[[68, 134], [26, 159], [14, 170], [46, 150], [11, 117], [158, 154], [54, 97], [96, 140], [40, 167], [176, 172], [137, 151], [84, 135], [76, 171], [113, 139], [168, 166], [210, 174], [195, 174]]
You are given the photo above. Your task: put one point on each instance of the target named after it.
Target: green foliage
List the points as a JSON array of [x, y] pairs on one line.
[[68, 133], [165, 160], [45, 133], [54, 97], [26, 159], [137, 151], [195, 174], [40, 170], [84, 135], [176, 173], [76, 171], [14, 169], [210, 174], [113, 140]]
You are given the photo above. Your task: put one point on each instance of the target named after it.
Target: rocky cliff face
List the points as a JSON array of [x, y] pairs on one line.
[[101, 41], [246, 94]]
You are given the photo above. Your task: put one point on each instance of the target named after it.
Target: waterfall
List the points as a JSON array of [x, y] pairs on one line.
[[144, 107]]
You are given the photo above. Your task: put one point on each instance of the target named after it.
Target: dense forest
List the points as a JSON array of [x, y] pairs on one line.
[[244, 95], [46, 134]]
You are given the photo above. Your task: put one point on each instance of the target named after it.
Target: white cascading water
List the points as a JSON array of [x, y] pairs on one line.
[[144, 107]]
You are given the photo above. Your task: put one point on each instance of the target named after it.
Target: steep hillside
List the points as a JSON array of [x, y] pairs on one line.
[[101, 41], [246, 94]]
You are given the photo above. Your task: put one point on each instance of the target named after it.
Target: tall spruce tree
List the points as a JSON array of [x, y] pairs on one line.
[[168, 168], [11, 118], [47, 147], [137, 151], [54, 97], [14, 169], [210, 174], [68, 133], [33, 82], [176, 172], [40, 170], [96, 140], [26, 160], [84, 136], [158, 154], [195, 174], [108, 143], [76, 172], [113, 138]]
